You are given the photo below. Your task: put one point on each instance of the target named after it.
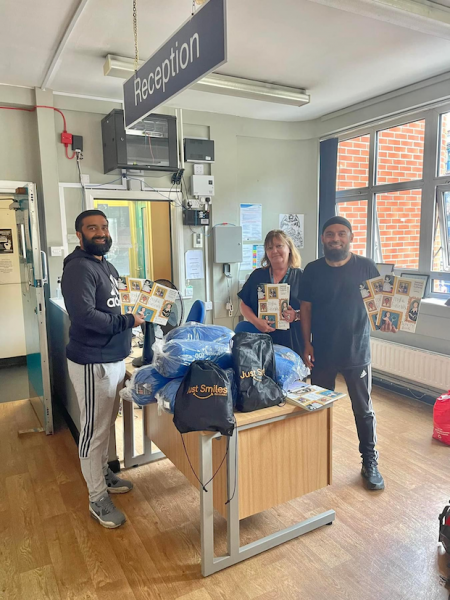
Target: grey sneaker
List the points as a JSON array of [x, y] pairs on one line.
[[116, 485], [106, 513]]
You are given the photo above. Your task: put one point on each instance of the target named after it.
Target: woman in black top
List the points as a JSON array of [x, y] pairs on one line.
[[281, 264]]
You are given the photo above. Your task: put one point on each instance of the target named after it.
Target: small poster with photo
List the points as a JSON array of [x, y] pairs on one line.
[[148, 314], [389, 284], [134, 284], [273, 302], [386, 302], [403, 286], [122, 284], [125, 297], [271, 318], [164, 313], [412, 311], [143, 298], [375, 285], [365, 290], [147, 285], [127, 309], [389, 321], [371, 306]]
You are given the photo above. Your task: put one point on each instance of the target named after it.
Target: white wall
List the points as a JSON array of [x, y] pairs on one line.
[[11, 316], [271, 163]]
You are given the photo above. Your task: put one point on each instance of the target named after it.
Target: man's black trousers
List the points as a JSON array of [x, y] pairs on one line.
[[359, 385]]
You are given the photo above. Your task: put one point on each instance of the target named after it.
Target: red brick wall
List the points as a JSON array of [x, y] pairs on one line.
[[353, 163], [399, 223], [400, 158], [356, 213], [400, 153]]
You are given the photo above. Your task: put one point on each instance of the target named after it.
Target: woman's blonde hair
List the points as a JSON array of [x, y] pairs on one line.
[[294, 261]]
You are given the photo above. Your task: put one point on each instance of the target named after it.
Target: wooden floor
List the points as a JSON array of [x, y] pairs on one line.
[[382, 546]]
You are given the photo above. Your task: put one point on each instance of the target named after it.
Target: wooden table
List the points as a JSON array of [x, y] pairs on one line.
[[275, 455]]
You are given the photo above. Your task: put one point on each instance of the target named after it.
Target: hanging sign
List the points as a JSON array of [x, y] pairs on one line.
[[198, 47]]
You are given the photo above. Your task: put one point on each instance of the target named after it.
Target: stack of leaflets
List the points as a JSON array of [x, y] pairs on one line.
[[392, 303], [311, 397], [273, 300], [149, 299]]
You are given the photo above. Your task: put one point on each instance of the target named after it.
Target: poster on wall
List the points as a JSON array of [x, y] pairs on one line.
[[251, 222], [293, 225], [194, 264], [6, 241], [252, 254]]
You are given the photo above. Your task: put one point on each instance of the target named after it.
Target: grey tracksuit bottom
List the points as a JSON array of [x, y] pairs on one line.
[[97, 388]]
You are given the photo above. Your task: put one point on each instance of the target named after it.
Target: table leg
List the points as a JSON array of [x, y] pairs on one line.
[[236, 553], [130, 457]]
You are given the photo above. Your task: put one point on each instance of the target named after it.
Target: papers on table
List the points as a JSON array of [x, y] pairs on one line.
[[311, 397]]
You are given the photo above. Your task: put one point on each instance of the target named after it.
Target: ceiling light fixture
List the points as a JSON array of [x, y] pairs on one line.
[[118, 66]]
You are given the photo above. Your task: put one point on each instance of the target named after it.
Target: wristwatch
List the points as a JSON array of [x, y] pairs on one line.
[[297, 315]]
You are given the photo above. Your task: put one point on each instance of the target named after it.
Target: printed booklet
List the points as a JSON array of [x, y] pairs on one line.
[[273, 300], [392, 302], [311, 397], [151, 300]]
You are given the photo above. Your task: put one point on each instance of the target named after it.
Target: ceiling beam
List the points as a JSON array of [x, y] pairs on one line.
[[57, 57], [420, 15]]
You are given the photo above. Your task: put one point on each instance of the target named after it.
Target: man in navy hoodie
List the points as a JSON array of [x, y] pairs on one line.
[[99, 341]]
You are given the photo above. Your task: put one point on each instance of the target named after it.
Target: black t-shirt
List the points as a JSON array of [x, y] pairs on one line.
[[292, 337], [340, 326]]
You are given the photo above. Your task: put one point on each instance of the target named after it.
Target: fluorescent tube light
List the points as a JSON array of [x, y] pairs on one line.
[[118, 66]]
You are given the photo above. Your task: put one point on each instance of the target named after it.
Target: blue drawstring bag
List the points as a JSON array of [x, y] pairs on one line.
[[145, 383], [289, 367], [198, 331], [174, 357], [166, 395]]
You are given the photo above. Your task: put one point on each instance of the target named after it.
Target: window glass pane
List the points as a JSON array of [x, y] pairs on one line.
[[398, 222], [441, 287], [441, 243], [400, 153], [444, 145], [353, 163], [356, 213]]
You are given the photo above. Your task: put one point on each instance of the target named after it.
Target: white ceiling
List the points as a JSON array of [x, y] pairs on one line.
[[340, 58]]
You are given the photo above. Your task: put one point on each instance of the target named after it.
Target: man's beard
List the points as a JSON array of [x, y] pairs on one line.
[[91, 247], [336, 254]]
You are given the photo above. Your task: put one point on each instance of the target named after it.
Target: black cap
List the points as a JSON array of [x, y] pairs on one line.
[[337, 221]]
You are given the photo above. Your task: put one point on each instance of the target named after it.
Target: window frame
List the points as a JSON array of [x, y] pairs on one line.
[[429, 184]]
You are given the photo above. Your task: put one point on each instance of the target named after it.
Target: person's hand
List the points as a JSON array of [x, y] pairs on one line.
[[289, 315], [138, 320], [263, 326], [308, 355]]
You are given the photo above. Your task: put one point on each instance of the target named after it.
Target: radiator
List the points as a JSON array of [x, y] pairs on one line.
[[429, 369]]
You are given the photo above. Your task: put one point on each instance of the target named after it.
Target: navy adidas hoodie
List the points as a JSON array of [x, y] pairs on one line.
[[98, 332]]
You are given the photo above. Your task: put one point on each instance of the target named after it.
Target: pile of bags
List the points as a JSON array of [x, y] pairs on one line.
[[257, 372]]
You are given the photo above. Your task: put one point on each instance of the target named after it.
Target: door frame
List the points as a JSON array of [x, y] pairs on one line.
[[163, 195], [9, 187]]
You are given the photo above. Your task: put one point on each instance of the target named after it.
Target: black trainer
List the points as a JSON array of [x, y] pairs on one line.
[[371, 475]]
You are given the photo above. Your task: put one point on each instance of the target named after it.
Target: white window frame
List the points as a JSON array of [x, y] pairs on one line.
[[429, 184]]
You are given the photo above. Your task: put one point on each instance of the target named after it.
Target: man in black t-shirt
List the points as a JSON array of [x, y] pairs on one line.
[[333, 312]]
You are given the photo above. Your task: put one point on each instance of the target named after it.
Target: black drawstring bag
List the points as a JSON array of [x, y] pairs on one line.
[[204, 401], [254, 365]]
